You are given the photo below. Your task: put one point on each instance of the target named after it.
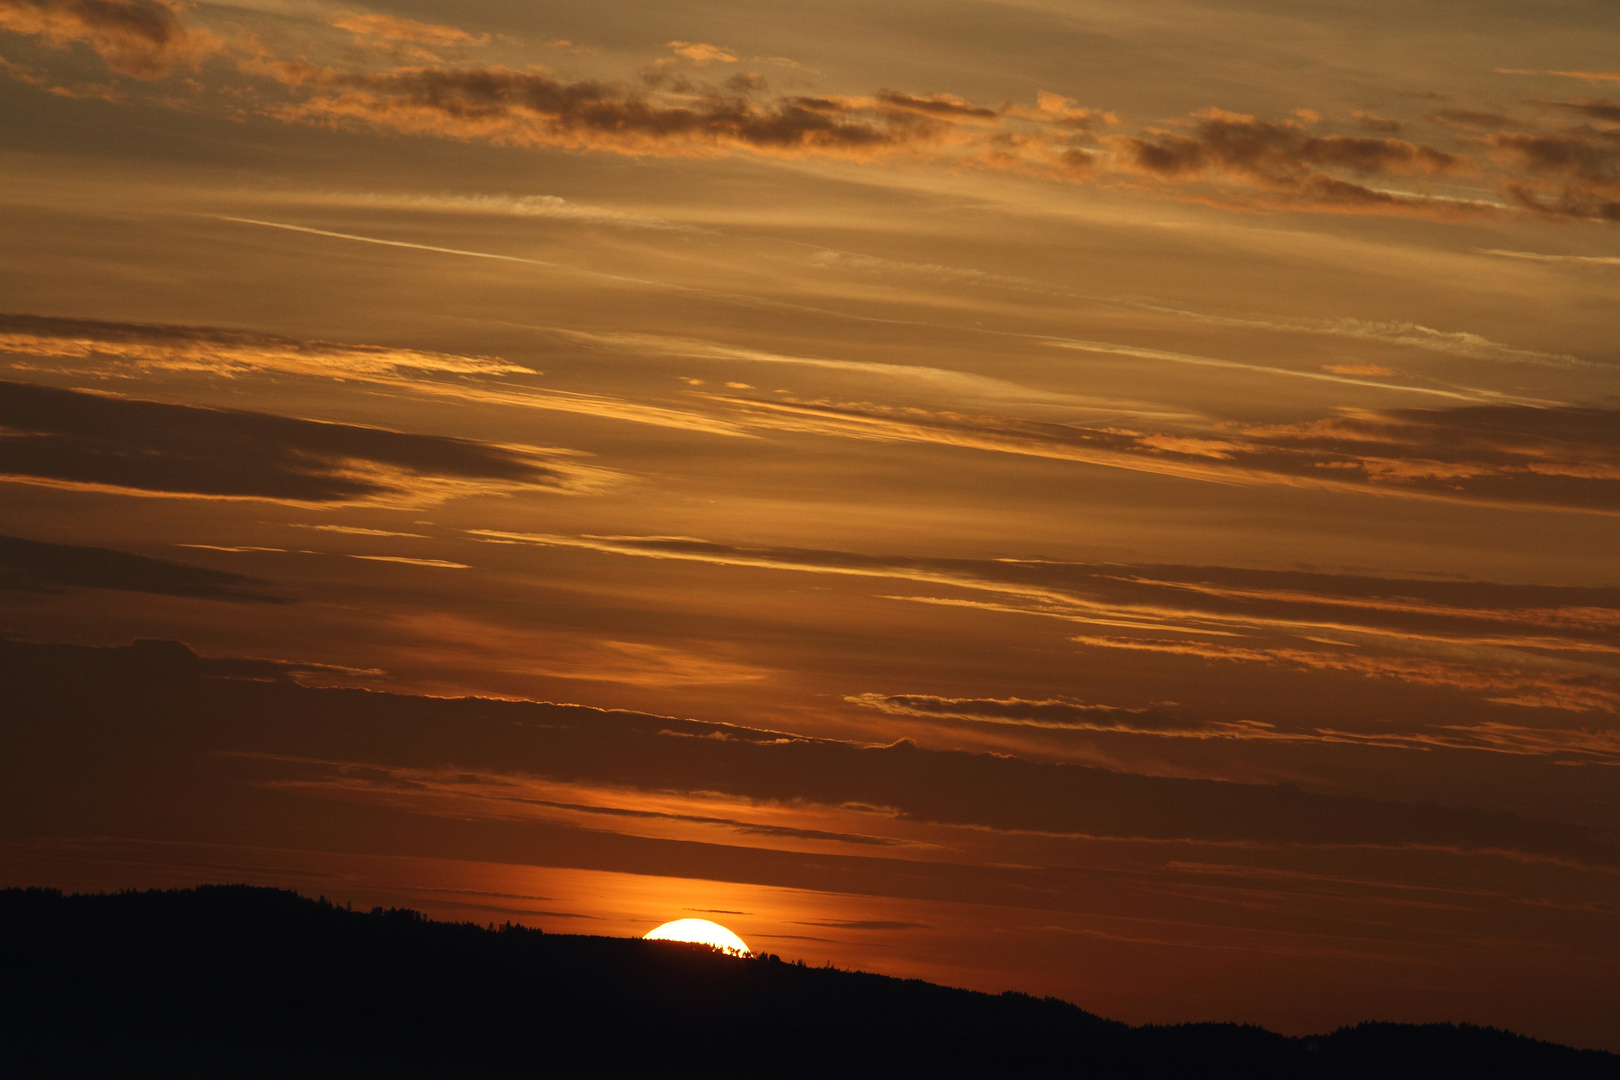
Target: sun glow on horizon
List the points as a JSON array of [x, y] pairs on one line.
[[702, 932]]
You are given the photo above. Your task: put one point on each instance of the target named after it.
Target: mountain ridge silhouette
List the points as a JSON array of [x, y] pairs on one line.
[[246, 981]]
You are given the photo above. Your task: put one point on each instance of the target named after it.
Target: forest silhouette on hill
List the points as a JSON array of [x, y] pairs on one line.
[[240, 981]]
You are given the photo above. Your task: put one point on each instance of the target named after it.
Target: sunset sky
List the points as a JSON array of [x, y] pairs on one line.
[[1118, 501]]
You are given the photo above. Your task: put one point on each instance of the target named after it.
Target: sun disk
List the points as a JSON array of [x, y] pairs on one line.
[[703, 932]]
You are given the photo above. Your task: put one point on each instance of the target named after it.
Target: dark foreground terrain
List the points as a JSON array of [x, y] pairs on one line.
[[233, 981]]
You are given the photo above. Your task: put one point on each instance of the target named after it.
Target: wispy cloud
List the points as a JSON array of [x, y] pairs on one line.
[[1218, 602], [1563, 458], [406, 39], [1179, 723], [156, 347], [1403, 333], [1536, 256], [1593, 689], [100, 348], [1057, 715], [967, 385], [442, 564], [550, 207]]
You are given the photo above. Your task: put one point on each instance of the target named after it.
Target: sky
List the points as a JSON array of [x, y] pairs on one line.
[[1111, 501]]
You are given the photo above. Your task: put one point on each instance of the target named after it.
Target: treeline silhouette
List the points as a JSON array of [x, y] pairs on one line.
[[237, 981]]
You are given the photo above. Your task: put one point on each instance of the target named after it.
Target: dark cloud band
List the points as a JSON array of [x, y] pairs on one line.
[[84, 439], [37, 566]]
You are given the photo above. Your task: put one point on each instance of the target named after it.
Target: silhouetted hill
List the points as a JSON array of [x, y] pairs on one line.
[[234, 981]]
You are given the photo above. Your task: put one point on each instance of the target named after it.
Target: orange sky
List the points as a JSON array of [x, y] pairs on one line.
[[1117, 501]]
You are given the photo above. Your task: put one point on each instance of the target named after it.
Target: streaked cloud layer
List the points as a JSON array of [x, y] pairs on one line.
[[1108, 501], [681, 105]]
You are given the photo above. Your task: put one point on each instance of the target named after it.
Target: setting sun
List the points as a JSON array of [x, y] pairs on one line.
[[702, 932], [1114, 502]]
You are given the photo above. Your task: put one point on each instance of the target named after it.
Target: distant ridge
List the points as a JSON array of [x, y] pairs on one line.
[[237, 981]]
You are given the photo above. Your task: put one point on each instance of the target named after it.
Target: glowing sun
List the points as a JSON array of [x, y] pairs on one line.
[[703, 932]]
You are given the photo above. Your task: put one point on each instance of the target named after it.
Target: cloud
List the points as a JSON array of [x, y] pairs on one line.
[[155, 663], [1598, 77], [1536, 256], [962, 383], [1585, 691], [1370, 122], [94, 348], [1591, 157], [700, 53], [525, 799], [1220, 598], [1055, 139], [1211, 156], [1521, 646], [1175, 723], [1560, 457], [394, 28], [1373, 371], [1170, 596], [355, 530], [1054, 715], [38, 566], [844, 260], [540, 206], [1607, 111], [535, 109], [947, 106], [279, 728], [1566, 456], [406, 39], [1288, 161], [76, 439], [1471, 119], [1573, 173], [161, 347], [143, 39], [1556, 170], [867, 924], [443, 564], [1416, 335]]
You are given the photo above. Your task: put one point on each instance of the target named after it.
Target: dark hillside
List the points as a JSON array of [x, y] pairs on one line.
[[232, 981]]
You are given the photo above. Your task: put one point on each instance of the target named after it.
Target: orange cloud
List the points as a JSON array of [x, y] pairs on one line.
[[406, 38], [1501, 455], [89, 345], [1504, 685], [1536, 623], [393, 28], [1158, 723], [701, 53], [1372, 370], [1586, 76], [535, 109], [1213, 156], [143, 39]]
